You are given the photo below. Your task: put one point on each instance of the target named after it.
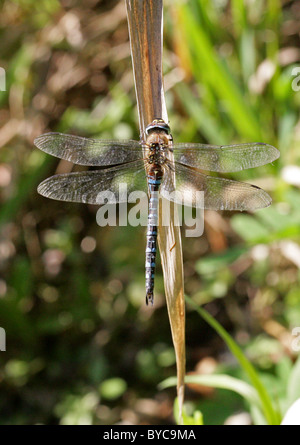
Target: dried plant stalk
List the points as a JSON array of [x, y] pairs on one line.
[[145, 19]]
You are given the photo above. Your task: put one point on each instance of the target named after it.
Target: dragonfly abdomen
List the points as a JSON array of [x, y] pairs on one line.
[[154, 181]]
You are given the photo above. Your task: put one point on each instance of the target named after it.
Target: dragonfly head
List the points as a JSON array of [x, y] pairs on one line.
[[158, 136], [156, 126]]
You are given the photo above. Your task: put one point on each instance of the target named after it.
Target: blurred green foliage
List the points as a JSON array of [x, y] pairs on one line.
[[82, 348]]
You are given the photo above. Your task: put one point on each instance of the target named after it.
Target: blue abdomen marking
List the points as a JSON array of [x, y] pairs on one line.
[[153, 183]]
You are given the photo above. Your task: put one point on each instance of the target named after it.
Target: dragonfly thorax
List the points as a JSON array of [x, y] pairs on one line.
[[156, 155], [157, 145]]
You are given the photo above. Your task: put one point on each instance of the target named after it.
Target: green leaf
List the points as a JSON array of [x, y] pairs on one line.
[[293, 389], [213, 263], [113, 388], [195, 419], [249, 228]]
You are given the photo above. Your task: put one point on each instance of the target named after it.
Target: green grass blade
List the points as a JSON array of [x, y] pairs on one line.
[[239, 16], [221, 381], [207, 123], [195, 419], [293, 389], [208, 68], [272, 416]]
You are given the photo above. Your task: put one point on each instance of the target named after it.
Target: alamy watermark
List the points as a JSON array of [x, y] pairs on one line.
[[140, 215], [2, 79], [2, 88], [296, 341], [296, 80], [2, 339]]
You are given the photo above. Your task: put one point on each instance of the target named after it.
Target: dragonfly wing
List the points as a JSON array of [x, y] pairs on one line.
[[225, 158], [111, 185], [85, 151], [218, 193]]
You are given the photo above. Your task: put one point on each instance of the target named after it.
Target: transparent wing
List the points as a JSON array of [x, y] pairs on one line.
[[85, 151], [219, 193], [225, 158], [92, 187]]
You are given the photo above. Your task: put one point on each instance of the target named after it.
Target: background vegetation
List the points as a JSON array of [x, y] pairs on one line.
[[82, 347]]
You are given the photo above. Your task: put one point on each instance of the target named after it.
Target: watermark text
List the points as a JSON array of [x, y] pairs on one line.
[[296, 80], [2, 339], [133, 209], [296, 341], [2, 79]]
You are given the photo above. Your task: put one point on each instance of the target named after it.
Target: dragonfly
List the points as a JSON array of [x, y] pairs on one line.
[[156, 165]]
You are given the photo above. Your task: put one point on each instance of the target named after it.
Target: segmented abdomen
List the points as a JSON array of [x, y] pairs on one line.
[[154, 181]]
